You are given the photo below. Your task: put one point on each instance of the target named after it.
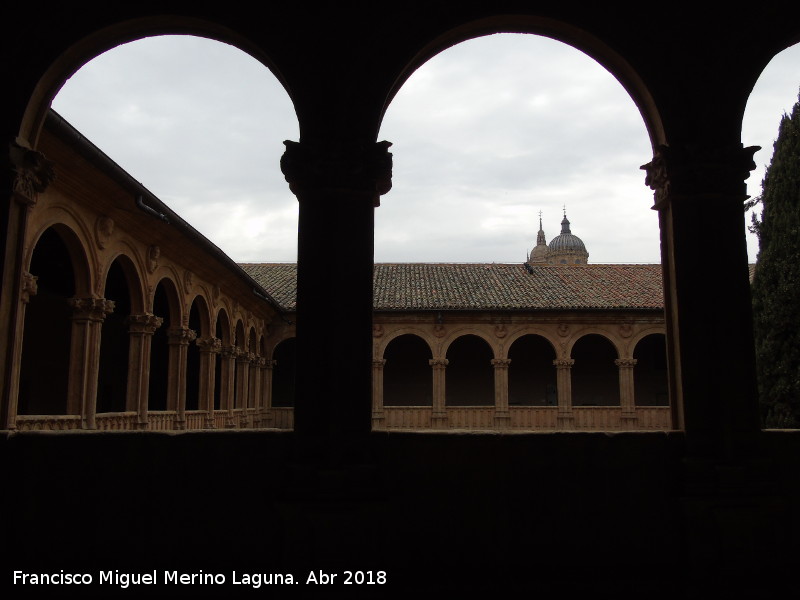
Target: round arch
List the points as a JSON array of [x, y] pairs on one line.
[[73, 57], [531, 374], [78, 255], [407, 372], [560, 31]]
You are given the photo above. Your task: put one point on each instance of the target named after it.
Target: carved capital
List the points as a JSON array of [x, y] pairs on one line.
[[625, 363], [29, 287], [563, 363], [181, 335], [209, 344], [91, 309], [146, 323], [438, 363], [501, 363], [378, 363], [349, 166], [229, 352], [33, 173], [688, 170]]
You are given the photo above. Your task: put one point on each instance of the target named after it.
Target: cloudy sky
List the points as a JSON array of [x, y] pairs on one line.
[[485, 136]]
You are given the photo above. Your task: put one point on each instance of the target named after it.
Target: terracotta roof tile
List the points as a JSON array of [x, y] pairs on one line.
[[494, 286]]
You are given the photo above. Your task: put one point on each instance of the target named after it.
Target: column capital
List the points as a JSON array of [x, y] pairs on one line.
[[90, 309], [378, 362], [33, 173], [563, 363], [438, 363], [29, 287], [692, 169], [350, 166], [229, 351], [209, 344], [181, 335], [501, 363], [146, 323], [625, 363]]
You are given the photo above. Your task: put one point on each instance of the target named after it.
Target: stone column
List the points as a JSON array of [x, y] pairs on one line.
[[626, 393], [378, 416], [209, 349], [502, 417], [254, 402], [141, 329], [227, 376], [338, 183], [88, 315], [439, 412], [30, 174], [178, 340], [699, 195], [27, 288], [266, 418], [566, 420], [242, 385]]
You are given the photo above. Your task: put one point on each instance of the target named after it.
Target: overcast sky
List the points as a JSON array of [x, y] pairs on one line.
[[485, 135]]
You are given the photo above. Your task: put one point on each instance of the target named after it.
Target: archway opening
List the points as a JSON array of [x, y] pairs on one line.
[[531, 374], [48, 329], [650, 373], [283, 373], [469, 374], [595, 377], [407, 374], [112, 385]]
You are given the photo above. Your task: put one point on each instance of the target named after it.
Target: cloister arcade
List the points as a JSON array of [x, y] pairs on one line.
[[133, 338]]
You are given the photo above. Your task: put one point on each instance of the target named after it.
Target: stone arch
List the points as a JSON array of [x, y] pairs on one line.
[[121, 285], [595, 376], [407, 373], [199, 323], [47, 328], [76, 250], [531, 374], [469, 374], [380, 347], [460, 332], [72, 58], [650, 373], [561, 31], [222, 370], [165, 305], [129, 264]]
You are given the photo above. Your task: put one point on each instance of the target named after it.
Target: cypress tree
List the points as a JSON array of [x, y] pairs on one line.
[[776, 282]]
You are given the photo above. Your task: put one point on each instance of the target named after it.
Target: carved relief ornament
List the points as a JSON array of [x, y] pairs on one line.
[[94, 309], [695, 169], [103, 229], [33, 173], [29, 287], [146, 323], [352, 166]]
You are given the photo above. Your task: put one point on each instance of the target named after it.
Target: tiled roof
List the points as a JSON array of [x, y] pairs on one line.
[[495, 286]]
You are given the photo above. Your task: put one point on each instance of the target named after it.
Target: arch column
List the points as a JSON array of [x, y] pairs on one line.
[[502, 417], [243, 359], [30, 174], [141, 329], [378, 416], [566, 420], [27, 289], [227, 355], [699, 192], [88, 315], [178, 340], [254, 398], [626, 393], [338, 184], [267, 418], [439, 411], [209, 349]]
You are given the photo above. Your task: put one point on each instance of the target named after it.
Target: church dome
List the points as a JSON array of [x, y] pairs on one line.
[[567, 248]]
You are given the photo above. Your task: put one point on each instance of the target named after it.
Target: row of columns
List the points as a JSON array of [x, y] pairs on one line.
[[502, 416], [245, 377]]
